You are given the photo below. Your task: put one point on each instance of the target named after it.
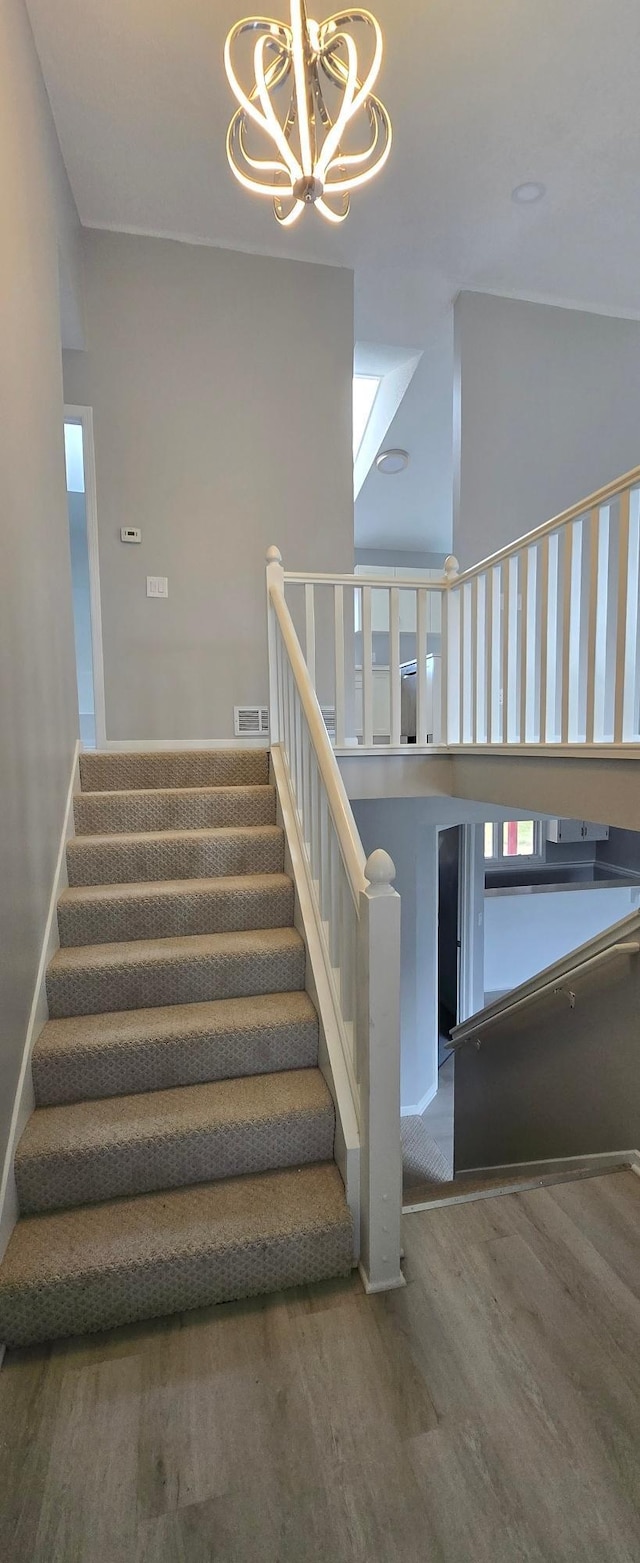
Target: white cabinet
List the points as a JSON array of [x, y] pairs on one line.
[[565, 830]]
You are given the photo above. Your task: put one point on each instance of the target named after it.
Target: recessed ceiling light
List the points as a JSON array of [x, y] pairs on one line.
[[392, 461], [529, 192]]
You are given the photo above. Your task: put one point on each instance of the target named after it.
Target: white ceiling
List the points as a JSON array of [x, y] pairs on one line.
[[482, 96]]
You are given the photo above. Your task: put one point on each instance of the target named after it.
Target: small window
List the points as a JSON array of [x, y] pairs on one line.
[[513, 839]]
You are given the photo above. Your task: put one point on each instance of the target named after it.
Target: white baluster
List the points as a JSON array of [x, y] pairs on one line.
[[565, 677], [544, 637], [592, 620], [275, 582], [367, 669], [452, 665], [621, 617], [524, 642], [394, 663], [421, 667], [338, 592]]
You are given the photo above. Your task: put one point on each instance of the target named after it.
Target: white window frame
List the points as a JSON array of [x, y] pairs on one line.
[[501, 859]]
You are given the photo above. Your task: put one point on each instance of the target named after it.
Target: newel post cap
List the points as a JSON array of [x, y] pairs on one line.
[[451, 567], [273, 555], [380, 871]]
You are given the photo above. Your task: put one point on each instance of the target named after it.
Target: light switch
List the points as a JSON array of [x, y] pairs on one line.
[[157, 586]]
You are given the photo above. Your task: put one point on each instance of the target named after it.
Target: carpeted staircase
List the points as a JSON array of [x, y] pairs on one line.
[[181, 1151]]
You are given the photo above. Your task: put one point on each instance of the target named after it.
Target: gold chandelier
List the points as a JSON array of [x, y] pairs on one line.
[[309, 129]]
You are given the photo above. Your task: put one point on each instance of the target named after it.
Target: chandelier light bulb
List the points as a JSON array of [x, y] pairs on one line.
[[308, 129]]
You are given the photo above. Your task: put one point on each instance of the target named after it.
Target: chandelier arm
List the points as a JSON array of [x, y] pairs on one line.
[[380, 125], [271, 119], [290, 218], [273, 30], [336, 25], [354, 181], [332, 141], [263, 165], [247, 180], [331, 216]]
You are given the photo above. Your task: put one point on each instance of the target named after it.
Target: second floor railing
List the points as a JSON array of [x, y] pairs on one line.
[[536, 646]]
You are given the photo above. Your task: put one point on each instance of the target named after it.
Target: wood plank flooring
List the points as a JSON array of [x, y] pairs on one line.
[[489, 1413]]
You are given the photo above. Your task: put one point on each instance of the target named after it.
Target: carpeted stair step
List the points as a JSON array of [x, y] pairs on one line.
[[112, 1264], [96, 978], [185, 854], [127, 1145], [195, 808], [106, 914], [115, 772], [119, 1054]]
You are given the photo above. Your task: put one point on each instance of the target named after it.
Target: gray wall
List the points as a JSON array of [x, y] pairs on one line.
[[401, 829], [38, 709], [548, 411], [221, 388]]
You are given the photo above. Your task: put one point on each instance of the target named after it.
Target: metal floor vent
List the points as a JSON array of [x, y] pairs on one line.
[[251, 721]]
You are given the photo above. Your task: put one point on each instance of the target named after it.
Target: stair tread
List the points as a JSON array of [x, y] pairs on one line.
[[219, 832], [87, 1033], [150, 889], [175, 792], [207, 1217], [133, 952], [129, 769], [81, 1127]]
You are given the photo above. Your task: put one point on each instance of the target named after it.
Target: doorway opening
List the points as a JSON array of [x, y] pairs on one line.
[[83, 542]]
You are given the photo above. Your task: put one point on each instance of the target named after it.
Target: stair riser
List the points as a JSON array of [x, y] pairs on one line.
[[116, 813], [55, 1182], [195, 768], [121, 862], [167, 917], [160, 1065], [181, 980], [172, 1285]]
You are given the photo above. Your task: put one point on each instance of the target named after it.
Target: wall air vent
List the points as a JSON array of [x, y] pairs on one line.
[[251, 721]]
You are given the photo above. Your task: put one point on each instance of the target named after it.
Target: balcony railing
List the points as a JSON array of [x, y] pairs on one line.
[[535, 647]]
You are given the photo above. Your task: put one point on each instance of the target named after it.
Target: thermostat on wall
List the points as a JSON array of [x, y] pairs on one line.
[[130, 534]]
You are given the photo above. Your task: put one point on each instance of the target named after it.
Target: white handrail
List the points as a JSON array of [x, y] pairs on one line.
[[355, 919], [470, 1029], [351, 847]]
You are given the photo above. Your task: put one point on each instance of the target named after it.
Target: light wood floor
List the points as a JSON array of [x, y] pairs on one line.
[[489, 1413]]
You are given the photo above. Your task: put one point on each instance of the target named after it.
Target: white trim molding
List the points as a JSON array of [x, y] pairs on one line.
[[24, 1099]]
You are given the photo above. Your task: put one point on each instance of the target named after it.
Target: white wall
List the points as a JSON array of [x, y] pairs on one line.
[[38, 708], [548, 410], [525, 933], [221, 388]]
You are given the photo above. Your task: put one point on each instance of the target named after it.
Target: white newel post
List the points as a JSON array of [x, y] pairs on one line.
[[275, 580], [379, 1076]]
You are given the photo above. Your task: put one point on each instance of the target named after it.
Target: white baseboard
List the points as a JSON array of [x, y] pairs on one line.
[[24, 1100], [421, 1106], [168, 745]]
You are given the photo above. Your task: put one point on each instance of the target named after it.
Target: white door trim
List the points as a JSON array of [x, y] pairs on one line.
[[84, 415]]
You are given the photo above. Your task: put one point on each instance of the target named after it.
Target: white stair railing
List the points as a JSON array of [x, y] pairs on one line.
[[358, 915], [536, 646], [542, 638]]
